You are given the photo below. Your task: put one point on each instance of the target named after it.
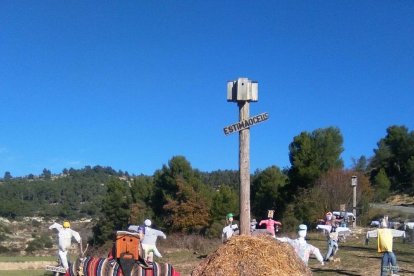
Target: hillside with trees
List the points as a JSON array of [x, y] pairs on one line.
[[183, 199]]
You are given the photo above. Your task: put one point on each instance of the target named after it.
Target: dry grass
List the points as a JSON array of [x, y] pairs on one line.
[[400, 199], [259, 255]]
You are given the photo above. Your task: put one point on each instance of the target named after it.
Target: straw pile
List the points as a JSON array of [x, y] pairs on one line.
[[258, 255]]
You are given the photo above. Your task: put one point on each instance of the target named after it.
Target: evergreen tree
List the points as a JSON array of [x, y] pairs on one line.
[[7, 176], [311, 155], [115, 211], [218, 178], [382, 186], [361, 164], [178, 188], [142, 191], [225, 200], [265, 191], [46, 174], [395, 154]]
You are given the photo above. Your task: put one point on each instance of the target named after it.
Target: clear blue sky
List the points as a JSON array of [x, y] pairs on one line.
[[130, 84]]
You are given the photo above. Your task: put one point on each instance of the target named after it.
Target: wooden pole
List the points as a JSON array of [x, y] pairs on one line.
[[354, 183], [354, 206], [244, 170]]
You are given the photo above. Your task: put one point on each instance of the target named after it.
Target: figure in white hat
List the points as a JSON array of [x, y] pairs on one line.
[[301, 247], [385, 237]]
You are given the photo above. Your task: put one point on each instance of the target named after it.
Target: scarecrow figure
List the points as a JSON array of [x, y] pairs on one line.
[[385, 237], [301, 247], [270, 223], [140, 229], [148, 243], [332, 232], [253, 224], [65, 235], [229, 229], [330, 219]]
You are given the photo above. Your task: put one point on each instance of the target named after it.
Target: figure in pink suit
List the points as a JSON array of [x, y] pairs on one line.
[[270, 223]]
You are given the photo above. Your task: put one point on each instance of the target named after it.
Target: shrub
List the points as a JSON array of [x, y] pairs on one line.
[[39, 243], [36, 223], [34, 245], [3, 237], [215, 230], [190, 242], [3, 249], [4, 229]]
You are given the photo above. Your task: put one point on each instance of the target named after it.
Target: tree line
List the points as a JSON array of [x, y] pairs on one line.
[[180, 198]]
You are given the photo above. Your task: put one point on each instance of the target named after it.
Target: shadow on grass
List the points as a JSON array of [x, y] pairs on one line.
[[399, 253], [405, 271], [374, 257], [407, 261], [336, 271], [355, 248]]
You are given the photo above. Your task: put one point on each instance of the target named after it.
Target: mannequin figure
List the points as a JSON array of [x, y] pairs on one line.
[[149, 241], [332, 233], [301, 247], [385, 237], [65, 235], [270, 223], [229, 229]]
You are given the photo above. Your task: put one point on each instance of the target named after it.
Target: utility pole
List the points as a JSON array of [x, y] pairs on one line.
[[243, 91], [244, 170], [354, 182]]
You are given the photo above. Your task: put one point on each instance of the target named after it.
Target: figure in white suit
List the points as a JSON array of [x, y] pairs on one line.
[[65, 235], [301, 247], [149, 241]]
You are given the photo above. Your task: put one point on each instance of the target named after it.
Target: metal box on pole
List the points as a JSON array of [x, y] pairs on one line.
[[242, 89]]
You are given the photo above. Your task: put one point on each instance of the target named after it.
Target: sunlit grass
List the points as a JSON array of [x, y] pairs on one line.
[[24, 273], [26, 259]]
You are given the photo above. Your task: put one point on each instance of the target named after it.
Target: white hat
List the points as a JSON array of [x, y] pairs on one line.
[[147, 222], [302, 227]]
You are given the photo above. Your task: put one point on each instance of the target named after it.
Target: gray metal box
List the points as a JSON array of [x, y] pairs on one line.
[[242, 90]]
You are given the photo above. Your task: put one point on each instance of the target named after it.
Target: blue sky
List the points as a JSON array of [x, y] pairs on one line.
[[130, 84]]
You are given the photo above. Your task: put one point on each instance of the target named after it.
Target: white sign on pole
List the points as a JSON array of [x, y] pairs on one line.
[[246, 123]]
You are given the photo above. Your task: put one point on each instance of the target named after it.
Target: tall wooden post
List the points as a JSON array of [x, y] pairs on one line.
[[354, 183], [244, 91], [244, 170]]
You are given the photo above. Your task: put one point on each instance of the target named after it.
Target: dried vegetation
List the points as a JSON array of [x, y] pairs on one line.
[[252, 255]]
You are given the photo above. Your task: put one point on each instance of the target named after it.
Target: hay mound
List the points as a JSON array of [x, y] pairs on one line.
[[246, 255]]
